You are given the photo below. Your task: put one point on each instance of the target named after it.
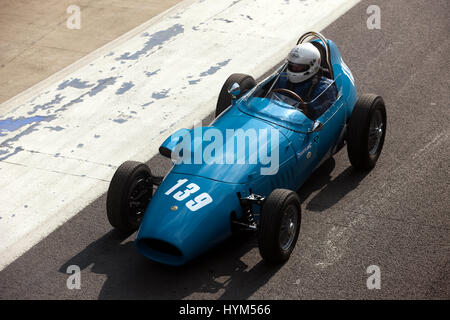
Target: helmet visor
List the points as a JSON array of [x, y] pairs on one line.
[[295, 67]]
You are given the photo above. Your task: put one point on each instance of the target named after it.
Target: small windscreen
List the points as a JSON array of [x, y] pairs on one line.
[[285, 111]]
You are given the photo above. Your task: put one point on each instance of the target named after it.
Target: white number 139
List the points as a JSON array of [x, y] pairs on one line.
[[190, 189], [197, 203]]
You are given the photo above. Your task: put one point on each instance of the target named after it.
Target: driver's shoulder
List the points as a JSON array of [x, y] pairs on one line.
[[324, 83], [325, 80], [282, 82]]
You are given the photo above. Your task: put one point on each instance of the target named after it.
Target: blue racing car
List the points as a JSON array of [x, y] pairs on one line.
[[242, 171]]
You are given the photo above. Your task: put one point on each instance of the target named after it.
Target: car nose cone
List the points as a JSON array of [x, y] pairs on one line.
[[173, 231]]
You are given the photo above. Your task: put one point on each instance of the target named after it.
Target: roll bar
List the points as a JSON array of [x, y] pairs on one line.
[[318, 35]]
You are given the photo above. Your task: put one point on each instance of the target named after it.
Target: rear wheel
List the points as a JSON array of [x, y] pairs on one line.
[[129, 194], [279, 226], [246, 83], [366, 133]]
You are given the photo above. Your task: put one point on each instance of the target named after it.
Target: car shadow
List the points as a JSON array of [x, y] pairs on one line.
[[129, 275], [330, 191], [222, 272]]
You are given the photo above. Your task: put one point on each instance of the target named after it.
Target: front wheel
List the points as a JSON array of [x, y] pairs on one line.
[[367, 130], [279, 226], [129, 194], [246, 83]]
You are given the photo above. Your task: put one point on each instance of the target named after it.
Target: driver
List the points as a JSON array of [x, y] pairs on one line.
[[303, 78]]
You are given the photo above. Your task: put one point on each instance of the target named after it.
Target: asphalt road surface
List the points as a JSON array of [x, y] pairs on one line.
[[396, 217]]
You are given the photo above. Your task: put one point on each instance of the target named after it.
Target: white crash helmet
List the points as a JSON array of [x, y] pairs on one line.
[[303, 62]]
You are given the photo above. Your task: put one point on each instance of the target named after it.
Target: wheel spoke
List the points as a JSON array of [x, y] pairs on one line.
[[138, 199], [288, 228], [375, 133]]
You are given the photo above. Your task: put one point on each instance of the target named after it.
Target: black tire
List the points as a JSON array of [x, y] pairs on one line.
[[246, 83], [362, 150], [130, 180], [269, 232]]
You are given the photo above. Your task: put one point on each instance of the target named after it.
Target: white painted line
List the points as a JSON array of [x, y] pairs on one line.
[[61, 142]]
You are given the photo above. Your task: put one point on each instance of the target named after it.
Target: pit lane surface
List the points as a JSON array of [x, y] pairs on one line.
[[395, 217]]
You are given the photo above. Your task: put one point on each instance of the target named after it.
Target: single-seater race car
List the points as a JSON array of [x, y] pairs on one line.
[[198, 204]]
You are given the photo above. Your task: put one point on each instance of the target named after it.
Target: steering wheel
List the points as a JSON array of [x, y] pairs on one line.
[[291, 93]]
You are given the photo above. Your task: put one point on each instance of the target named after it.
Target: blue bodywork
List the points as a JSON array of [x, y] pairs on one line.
[[173, 234]]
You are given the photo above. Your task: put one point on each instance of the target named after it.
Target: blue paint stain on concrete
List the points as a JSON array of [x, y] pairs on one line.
[[193, 82], [102, 84], [71, 102], [149, 73], [125, 87], [11, 124], [224, 20], [215, 68], [16, 151], [148, 103], [57, 128], [7, 148], [74, 83], [156, 39], [120, 121], [8, 143], [161, 94], [57, 99]]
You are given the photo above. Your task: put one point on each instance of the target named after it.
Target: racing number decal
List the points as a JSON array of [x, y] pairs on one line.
[[190, 189], [179, 184], [197, 203]]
